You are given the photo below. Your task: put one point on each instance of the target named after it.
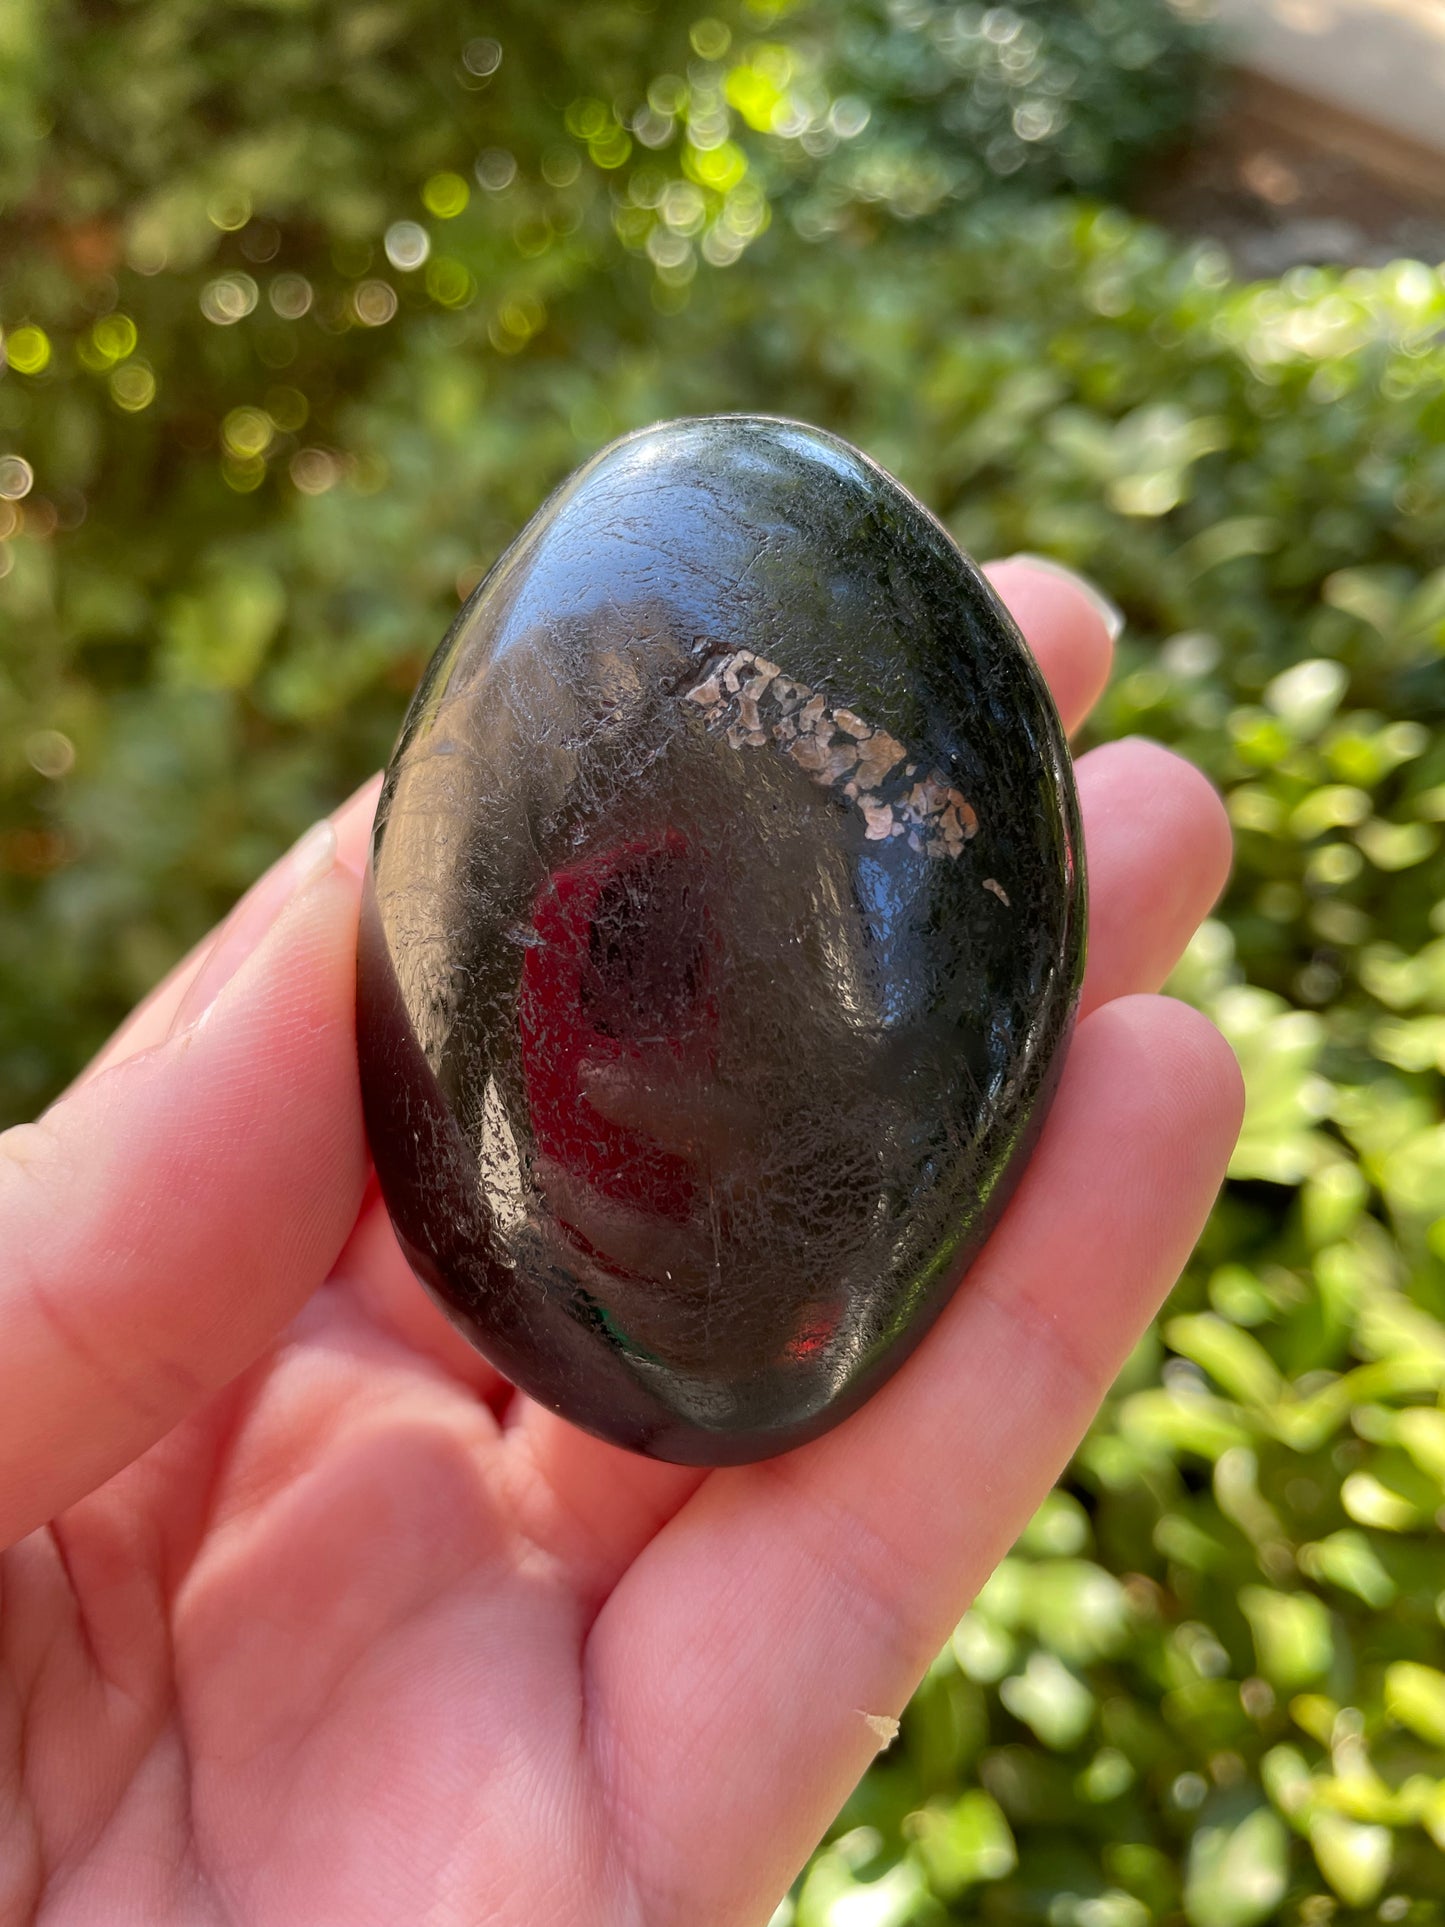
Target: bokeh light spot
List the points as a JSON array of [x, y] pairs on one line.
[[247, 432], [446, 196], [243, 474], [495, 169], [288, 409], [291, 296], [114, 337], [710, 39], [449, 283], [374, 303], [133, 387], [560, 167], [482, 56], [314, 470], [50, 753], [17, 478], [515, 323], [28, 350], [588, 119], [407, 245], [228, 299], [229, 209]]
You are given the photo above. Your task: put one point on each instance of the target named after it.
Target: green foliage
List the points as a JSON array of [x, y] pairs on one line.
[[306, 307], [1210, 1683], [281, 278]]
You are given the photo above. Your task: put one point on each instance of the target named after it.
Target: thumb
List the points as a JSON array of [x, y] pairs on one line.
[[168, 1216]]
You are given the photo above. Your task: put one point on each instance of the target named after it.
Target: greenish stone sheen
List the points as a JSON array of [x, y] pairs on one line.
[[721, 941]]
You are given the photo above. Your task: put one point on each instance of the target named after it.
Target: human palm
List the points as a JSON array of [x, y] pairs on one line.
[[329, 1627]]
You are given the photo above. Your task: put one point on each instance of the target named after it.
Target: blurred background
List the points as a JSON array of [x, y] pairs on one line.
[[305, 305]]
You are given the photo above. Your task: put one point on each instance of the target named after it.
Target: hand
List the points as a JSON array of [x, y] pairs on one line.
[[327, 1627]]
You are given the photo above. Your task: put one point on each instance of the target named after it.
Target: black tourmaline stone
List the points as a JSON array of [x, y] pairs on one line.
[[722, 936]]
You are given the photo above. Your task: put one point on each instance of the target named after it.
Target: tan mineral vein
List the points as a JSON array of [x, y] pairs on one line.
[[750, 701]]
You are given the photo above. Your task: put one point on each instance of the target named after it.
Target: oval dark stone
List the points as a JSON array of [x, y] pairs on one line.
[[722, 935]]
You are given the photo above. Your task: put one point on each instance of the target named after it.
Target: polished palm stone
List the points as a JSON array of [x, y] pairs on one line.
[[721, 940]]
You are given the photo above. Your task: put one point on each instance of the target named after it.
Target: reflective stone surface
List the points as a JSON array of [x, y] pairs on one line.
[[722, 936]]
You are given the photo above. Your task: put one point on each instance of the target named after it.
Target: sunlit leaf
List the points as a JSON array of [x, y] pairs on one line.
[[1237, 1873], [1292, 1635], [1354, 1859], [1050, 1699], [1415, 1696], [964, 1843]]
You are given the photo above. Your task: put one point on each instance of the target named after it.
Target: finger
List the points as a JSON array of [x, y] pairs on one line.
[[374, 1272], [152, 1018], [1157, 842], [1158, 848], [732, 1667], [1070, 627], [589, 1504], [166, 1218]]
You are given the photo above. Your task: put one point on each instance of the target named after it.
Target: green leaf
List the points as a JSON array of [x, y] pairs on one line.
[[1182, 1422], [1078, 1610], [1371, 1502], [1278, 1049], [836, 1893], [1390, 1326], [1373, 595], [1354, 1859], [1332, 1201], [1237, 1874], [1293, 1640], [983, 1649], [1051, 1700], [1227, 541], [1289, 1783], [1237, 1363], [1189, 1545], [1421, 1430], [1058, 1528], [1308, 694], [1348, 1559], [964, 1843], [218, 637], [1315, 1714], [1415, 1696], [1397, 846], [1422, 620]]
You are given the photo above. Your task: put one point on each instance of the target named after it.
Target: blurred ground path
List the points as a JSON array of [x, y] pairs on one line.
[[1331, 147], [1380, 60]]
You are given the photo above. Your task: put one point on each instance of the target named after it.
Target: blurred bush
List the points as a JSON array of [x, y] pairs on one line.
[[304, 309], [280, 283], [1210, 1684]]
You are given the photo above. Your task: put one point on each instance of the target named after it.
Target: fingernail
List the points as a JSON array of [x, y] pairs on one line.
[[253, 916], [1110, 614]]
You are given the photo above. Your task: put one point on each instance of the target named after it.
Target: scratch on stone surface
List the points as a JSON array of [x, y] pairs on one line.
[[749, 700], [761, 552], [992, 883]]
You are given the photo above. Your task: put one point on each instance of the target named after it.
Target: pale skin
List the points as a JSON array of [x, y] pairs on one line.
[[308, 1619]]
